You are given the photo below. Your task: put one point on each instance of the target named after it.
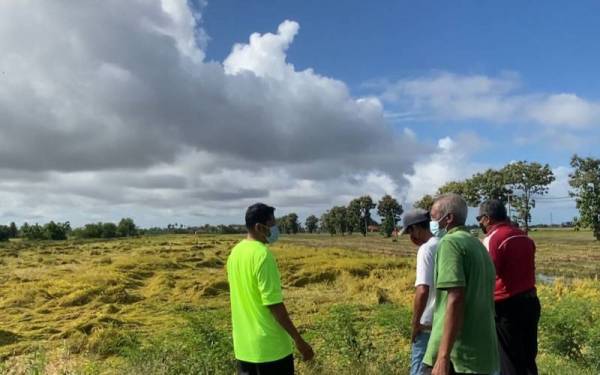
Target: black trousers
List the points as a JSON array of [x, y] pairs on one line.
[[517, 327], [284, 366]]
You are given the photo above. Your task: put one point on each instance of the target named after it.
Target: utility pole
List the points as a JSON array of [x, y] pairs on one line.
[[509, 207], [550, 219]]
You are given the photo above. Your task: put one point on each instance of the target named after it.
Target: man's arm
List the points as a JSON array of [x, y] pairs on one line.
[[283, 318], [452, 325], [421, 296]]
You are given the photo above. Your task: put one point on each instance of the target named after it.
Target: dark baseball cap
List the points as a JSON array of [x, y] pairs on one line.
[[413, 217]]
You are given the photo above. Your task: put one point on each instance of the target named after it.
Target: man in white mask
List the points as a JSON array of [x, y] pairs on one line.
[[263, 333]]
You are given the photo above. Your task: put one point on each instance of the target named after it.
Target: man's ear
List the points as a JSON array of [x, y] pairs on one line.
[[451, 218]]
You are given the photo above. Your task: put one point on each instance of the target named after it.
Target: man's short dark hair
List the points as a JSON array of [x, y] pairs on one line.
[[258, 213], [494, 209]]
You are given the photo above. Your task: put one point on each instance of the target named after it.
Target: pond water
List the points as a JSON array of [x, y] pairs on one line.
[[545, 279]]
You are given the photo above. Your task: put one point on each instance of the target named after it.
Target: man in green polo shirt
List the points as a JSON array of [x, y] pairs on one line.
[[263, 334], [463, 337]]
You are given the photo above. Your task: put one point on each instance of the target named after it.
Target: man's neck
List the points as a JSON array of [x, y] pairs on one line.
[[253, 237], [454, 226], [496, 224]]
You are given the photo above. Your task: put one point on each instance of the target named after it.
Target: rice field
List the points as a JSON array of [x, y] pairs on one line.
[[159, 304]]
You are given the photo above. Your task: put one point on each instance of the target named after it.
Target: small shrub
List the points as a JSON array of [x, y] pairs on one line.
[[564, 327], [107, 341], [199, 348]]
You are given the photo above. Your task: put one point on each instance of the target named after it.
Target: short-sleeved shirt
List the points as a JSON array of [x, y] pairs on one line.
[[513, 254], [462, 261], [425, 271], [254, 284]]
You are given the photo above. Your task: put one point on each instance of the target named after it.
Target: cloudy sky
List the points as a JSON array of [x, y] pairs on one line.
[[173, 111]]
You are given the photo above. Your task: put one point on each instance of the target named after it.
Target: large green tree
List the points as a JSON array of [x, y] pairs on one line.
[[292, 221], [585, 181], [57, 231], [4, 233], [109, 230], [466, 189], [327, 223], [353, 216], [424, 203], [366, 205], [282, 223], [13, 231], [127, 228], [390, 211], [312, 223], [339, 219], [526, 181], [491, 184]]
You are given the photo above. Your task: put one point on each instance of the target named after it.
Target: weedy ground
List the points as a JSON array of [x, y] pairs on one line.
[[159, 305]]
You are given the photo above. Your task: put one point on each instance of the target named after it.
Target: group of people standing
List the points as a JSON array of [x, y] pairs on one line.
[[475, 307], [476, 310]]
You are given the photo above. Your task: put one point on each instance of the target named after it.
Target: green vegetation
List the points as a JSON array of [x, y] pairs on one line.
[[585, 181], [390, 211], [356, 217], [159, 304], [517, 184]]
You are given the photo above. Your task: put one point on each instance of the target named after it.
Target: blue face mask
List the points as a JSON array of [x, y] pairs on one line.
[[434, 227], [273, 234]]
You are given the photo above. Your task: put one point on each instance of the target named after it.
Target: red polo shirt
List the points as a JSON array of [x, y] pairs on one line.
[[513, 253]]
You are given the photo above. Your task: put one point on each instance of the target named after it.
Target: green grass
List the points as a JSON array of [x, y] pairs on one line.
[[159, 305]]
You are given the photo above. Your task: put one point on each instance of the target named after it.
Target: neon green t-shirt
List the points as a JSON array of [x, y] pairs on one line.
[[462, 261], [254, 284]]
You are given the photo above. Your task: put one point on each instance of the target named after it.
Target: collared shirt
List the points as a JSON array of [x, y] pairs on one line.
[[462, 261], [254, 284], [513, 254]]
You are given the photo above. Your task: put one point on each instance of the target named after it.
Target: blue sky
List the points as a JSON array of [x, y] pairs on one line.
[[188, 111], [552, 47]]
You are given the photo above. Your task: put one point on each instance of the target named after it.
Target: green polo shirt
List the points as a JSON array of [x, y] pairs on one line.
[[462, 261], [254, 284]]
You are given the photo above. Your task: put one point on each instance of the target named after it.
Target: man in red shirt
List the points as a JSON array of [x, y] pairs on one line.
[[517, 305]]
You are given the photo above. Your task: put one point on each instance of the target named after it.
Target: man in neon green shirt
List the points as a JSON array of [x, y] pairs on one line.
[[263, 334], [463, 337]]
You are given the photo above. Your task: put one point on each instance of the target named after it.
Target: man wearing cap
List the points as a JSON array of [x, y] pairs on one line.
[[416, 225], [517, 305]]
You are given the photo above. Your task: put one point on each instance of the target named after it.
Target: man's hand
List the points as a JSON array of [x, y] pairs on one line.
[[421, 295], [281, 315], [442, 366], [416, 329], [305, 349]]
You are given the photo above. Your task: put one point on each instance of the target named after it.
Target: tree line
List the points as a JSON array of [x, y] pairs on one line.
[[61, 231], [518, 185], [353, 218]]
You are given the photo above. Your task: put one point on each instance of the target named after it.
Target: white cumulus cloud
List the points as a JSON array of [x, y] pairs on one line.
[[109, 108]]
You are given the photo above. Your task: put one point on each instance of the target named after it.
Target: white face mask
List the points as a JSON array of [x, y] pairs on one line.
[[434, 227], [273, 234]]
